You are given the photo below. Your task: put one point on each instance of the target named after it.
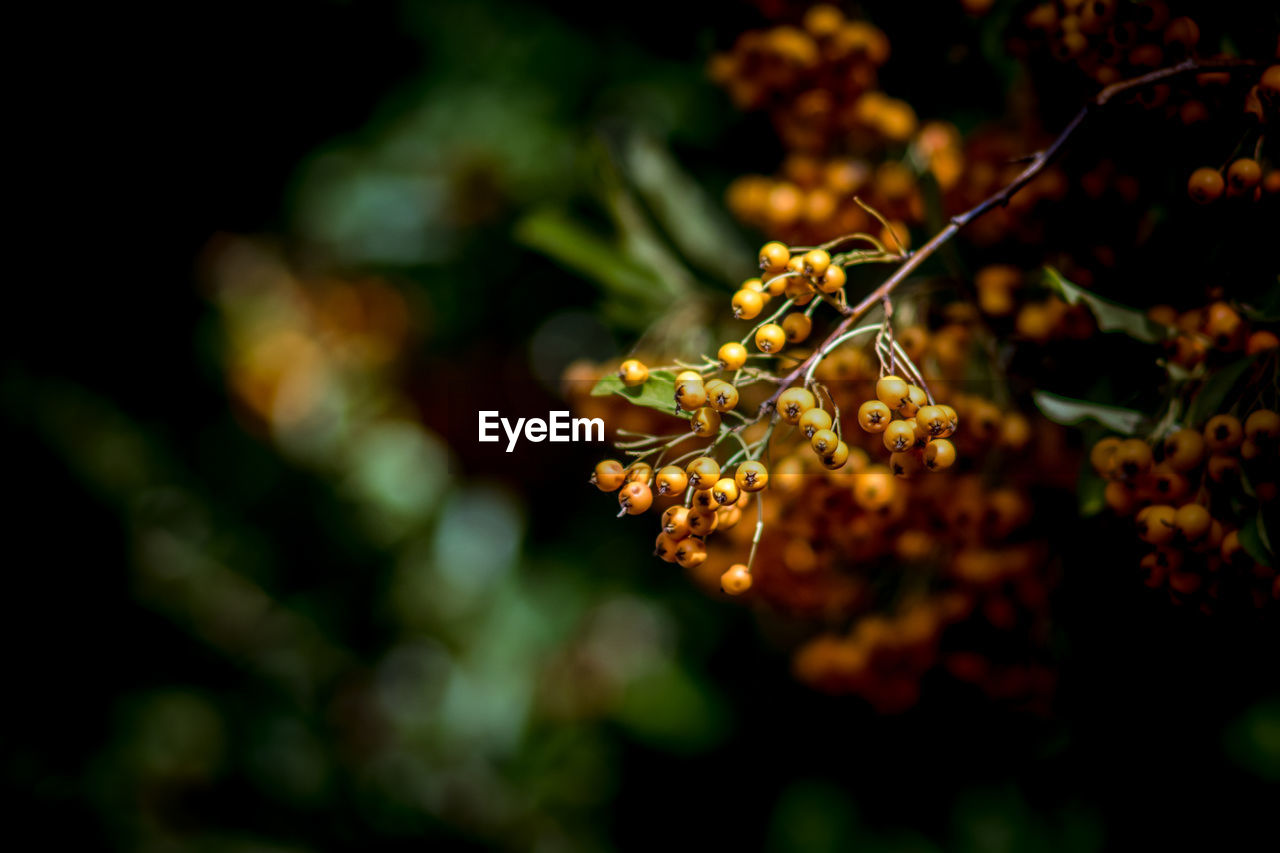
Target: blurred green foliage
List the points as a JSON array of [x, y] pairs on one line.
[[330, 622]]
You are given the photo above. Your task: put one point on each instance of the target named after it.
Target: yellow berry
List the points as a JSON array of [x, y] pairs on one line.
[[892, 391], [794, 402], [736, 580], [632, 373], [732, 356], [770, 338], [751, 476]]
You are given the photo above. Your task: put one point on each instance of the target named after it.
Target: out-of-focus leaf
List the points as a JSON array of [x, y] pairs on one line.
[[1268, 310], [694, 223], [638, 234], [1209, 400], [1253, 740], [1253, 539], [669, 709], [657, 392], [557, 235], [1111, 316], [1091, 492], [1069, 412]]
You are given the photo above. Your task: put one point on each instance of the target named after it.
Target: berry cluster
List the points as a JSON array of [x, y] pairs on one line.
[[714, 501], [817, 81], [1108, 41], [1188, 495], [813, 197], [905, 576], [1215, 328], [918, 438]]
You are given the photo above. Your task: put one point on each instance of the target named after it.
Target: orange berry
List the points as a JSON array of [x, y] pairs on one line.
[[939, 454], [1261, 340], [874, 488], [703, 472], [691, 394], [608, 475], [899, 436], [1223, 433], [703, 502], [794, 402], [632, 373], [1262, 427], [1223, 468], [796, 326], [725, 491], [915, 399], [1184, 449], [836, 457], [824, 441], [747, 304], [770, 338], [816, 263], [705, 422], [732, 356], [1102, 456], [905, 464], [736, 580], [813, 420], [671, 480], [832, 280], [874, 416], [1205, 185], [691, 552], [774, 257], [1192, 521], [635, 498], [1243, 176], [664, 547], [1132, 457], [892, 391], [675, 522], [1269, 84], [638, 472], [751, 476], [1120, 497], [721, 395], [1155, 524]]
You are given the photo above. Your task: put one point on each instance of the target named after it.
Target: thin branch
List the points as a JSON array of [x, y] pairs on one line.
[[1035, 166]]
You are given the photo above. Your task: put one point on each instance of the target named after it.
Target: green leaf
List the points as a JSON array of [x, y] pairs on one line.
[[571, 244], [1111, 316], [688, 216], [1253, 538], [657, 392], [1069, 412], [1213, 394], [669, 709], [1091, 491], [1268, 309]]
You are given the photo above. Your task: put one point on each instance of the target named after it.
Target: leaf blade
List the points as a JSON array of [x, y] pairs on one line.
[[1070, 412], [656, 392], [1110, 316]]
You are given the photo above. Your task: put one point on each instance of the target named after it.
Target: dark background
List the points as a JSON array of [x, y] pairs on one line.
[[146, 132]]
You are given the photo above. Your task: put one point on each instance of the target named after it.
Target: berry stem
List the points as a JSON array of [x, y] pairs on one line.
[[755, 538]]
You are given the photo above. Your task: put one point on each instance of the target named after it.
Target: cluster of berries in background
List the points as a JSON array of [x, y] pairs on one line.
[[801, 493], [1245, 179], [835, 519], [1192, 496], [817, 81]]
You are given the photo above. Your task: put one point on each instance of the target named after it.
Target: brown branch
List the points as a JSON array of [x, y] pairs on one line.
[[1036, 164]]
